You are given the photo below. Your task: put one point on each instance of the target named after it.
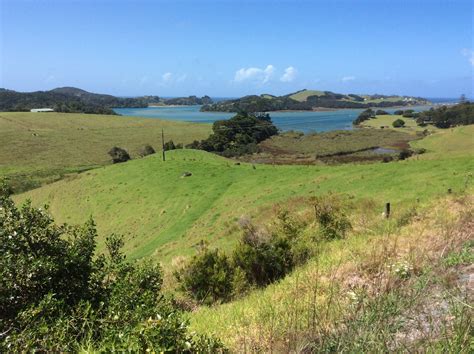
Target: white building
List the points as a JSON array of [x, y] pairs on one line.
[[42, 110]]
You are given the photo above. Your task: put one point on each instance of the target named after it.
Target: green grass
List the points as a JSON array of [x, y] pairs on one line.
[[386, 120], [38, 148], [165, 215], [304, 94], [448, 142]]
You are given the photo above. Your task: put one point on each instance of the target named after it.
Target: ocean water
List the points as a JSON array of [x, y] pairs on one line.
[[301, 121]]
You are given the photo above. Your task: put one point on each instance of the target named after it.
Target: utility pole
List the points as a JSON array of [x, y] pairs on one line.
[[163, 143]]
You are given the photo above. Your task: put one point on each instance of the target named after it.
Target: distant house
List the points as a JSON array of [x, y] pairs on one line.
[[42, 110]]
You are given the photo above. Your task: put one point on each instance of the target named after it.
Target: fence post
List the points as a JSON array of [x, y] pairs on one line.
[[387, 210]]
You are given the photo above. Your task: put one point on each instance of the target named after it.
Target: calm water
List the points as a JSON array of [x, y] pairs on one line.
[[301, 121]]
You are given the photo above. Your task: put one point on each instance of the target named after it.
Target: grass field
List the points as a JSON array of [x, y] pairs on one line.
[[304, 94], [448, 142], [165, 215], [387, 120], [37, 148]]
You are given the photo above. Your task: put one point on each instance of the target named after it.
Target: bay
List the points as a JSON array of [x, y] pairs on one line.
[[304, 121]]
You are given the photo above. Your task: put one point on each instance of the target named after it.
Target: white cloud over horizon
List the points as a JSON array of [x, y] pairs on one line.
[[469, 54], [289, 75], [348, 78], [255, 74]]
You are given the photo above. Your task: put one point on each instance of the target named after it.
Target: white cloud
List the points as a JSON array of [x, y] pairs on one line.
[[468, 53], [348, 78], [255, 74], [289, 75], [167, 77]]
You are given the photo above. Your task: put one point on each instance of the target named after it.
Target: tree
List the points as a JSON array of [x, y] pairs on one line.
[[365, 115], [119, 155], [398, 123]]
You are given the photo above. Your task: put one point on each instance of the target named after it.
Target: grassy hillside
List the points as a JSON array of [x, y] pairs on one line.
[[452, 142], [166, 215], [386, 120], [39, 147], [303, 95]]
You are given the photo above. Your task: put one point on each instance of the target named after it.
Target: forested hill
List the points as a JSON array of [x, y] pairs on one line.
[[75, 100], [308, 100], [69, 99]]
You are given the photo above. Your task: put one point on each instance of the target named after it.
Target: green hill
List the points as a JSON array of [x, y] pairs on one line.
[[40, 147], [165, 215]]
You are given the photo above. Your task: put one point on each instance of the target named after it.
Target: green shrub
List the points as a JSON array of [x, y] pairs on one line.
[[169, 145], [119, 155], [333, 223], [398, 123], [262, 256], [207, 277], [147, 150], [55, 296], [404, 154]]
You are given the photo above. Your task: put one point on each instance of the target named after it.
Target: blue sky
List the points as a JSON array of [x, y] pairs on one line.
[[233, 48]]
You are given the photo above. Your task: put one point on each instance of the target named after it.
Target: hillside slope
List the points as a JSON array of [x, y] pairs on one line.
[[39, 147], [165, 215]]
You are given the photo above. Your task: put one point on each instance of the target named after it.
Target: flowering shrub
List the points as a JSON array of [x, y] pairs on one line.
[[402, 269]]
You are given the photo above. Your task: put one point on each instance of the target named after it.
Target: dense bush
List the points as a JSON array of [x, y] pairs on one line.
[[445, 117], [365, 115], [169, 145], [261, 257], [380, 112], [207, 277], [238, 135], [404, 154], [56, 296], [119, 155], [147, 150], [398, 123], [331, 218]]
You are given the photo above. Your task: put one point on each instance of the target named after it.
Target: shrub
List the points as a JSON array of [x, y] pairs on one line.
[[147, 150], [169, 145], [119, 155], [380, 112], [404, 154], [54, 296], [398, 123], [264, 261], [420, 151], [387, 159], [207, 277], [333, 222], [365, 115], [398, 112]]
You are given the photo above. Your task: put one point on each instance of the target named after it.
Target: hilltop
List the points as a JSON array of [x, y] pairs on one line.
[[309, 100]]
